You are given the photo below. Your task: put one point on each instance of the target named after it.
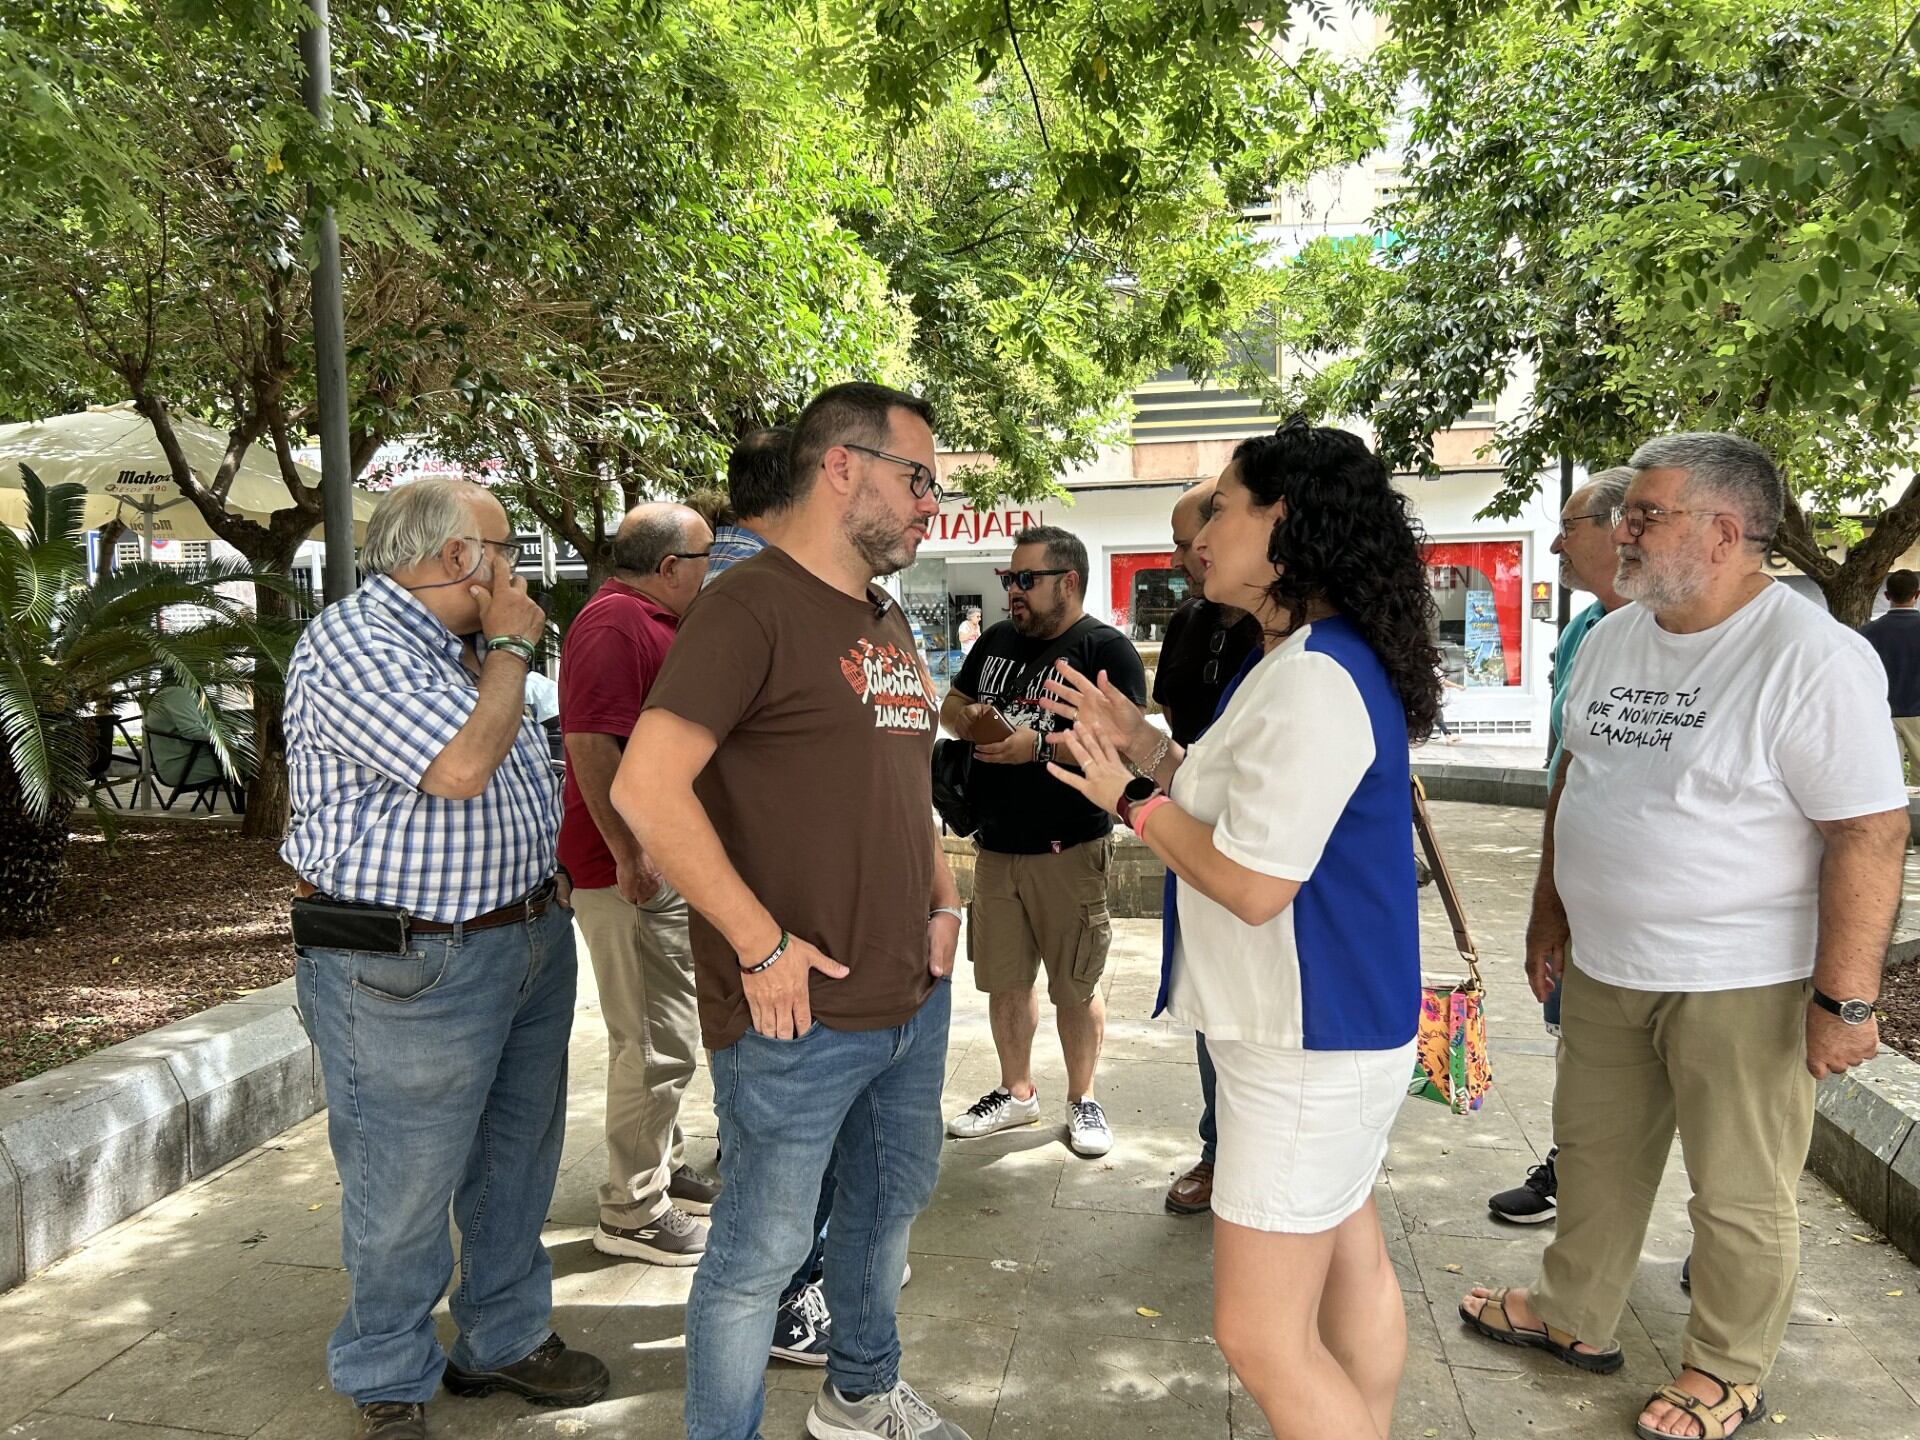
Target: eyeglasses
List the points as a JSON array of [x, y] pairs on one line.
[[1025, 579], [1210, 672], [1567, 522], [509, 552], [687, 554], [1639, 518], [919, 478]]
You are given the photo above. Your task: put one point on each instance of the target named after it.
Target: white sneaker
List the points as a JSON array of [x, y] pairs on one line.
[[995, 1110], [1087, 1130]]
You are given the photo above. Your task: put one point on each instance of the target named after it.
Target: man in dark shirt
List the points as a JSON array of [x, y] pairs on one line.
[[1040, 878], [1205, 647], [1896, 635]]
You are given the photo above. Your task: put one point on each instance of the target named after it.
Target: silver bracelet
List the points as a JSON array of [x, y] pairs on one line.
[[953, 910], [1152, 767]]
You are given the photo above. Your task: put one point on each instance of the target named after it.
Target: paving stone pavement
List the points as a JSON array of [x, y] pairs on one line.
[[1033, 1271]]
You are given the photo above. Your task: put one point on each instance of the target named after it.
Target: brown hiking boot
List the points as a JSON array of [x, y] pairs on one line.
[[551, 1375], [1192, 1193], [392, 1420]]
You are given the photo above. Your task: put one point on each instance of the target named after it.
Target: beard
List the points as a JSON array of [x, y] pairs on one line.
[[876, 534], [1661, 583], [1568, 580], [1031, 620]]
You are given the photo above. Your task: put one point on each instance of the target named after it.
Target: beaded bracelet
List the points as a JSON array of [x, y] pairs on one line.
[[769, 962]]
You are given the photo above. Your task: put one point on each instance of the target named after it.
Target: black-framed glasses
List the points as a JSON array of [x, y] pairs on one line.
[[509, 551], [687, 554], [1025, 579], [920, 480], [1567, 522], [1639, 518]]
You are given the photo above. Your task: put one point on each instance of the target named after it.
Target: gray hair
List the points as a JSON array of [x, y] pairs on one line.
[[1728, 465], [1606, 490], [645, 540], [415, 521]]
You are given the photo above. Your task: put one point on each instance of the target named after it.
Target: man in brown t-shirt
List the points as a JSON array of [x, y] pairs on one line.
[[780, 780]]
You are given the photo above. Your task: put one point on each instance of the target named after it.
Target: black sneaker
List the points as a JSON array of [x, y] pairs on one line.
[[391, 1420], [1532, 1203], [551, 1375], [803, 1329], [692, 1191]]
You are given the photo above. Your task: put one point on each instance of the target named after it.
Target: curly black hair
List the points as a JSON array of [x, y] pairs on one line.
[[1349, 540]]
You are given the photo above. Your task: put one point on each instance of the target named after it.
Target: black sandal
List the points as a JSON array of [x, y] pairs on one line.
[[1604, 1362]]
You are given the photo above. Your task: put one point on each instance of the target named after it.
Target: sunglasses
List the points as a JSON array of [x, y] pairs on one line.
[[1025, 579]]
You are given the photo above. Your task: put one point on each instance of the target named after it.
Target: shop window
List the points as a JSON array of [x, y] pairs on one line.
[[1146, 589], [1479, 590]]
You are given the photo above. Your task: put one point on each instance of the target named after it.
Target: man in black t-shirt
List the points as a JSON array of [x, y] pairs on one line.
[[1206, 643], [1040, 877]]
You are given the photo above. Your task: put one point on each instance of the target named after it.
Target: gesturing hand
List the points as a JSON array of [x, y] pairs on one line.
[[1103, 775], [1096, 707], [777, 997]]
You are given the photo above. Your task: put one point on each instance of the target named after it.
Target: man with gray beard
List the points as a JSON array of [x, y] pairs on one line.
[[1719, 876]]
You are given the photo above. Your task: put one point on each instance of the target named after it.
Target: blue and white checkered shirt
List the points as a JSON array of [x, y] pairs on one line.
[[376, 690], [731, 545]]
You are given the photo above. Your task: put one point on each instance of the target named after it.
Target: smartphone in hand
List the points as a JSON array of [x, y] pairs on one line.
[[990, 728]]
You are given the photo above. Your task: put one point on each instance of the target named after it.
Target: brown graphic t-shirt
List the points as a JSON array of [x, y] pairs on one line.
[[821, 786]]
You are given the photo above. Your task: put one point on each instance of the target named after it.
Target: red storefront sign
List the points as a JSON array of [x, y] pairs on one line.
[[973, 527]]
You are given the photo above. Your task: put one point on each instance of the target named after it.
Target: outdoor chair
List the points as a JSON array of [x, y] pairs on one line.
[[182, 760], [115, 758]]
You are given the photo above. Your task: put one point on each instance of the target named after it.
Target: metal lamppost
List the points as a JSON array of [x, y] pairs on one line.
[[329, 332]]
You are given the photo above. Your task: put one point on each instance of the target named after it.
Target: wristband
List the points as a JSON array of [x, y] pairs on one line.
[[1039, 747], [768, 963], [953, 910], [513, 644], [1137, 815]]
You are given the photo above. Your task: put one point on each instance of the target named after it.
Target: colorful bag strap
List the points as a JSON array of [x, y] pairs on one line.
[[1443, 880]]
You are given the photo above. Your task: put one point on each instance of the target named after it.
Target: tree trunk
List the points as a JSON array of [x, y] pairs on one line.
[[33, 857], [1850, 591], [268, 807]]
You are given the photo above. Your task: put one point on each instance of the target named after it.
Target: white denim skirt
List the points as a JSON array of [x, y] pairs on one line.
[[1302, 1132]]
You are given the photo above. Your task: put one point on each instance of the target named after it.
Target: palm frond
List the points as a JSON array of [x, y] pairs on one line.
[[48, 752], [55, 513]]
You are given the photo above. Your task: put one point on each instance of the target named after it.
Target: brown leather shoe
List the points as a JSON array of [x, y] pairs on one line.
[[1192, 1193], [551, 1375], [392, 1420]]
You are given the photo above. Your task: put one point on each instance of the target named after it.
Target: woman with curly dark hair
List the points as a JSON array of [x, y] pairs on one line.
[[1294, 941]]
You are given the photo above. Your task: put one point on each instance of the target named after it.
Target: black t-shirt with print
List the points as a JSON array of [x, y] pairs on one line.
[[1022, 809]]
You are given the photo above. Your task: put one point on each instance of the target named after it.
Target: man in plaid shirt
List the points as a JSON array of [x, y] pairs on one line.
[[436, 973]]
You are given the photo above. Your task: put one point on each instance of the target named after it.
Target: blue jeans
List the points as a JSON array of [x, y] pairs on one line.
[[446, 1076], [866, 1102], [1209, 1132], [816, 1253]]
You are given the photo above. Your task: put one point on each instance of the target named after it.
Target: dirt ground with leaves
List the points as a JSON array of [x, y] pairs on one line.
[[174, 916]]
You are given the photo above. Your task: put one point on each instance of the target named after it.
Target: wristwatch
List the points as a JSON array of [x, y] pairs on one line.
[[1854, 1012], [1137, 791]]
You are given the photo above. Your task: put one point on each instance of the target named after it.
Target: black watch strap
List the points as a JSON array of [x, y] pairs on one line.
[[1842, 1007]]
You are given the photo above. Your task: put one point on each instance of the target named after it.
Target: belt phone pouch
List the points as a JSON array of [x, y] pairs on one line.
[[321, 924]]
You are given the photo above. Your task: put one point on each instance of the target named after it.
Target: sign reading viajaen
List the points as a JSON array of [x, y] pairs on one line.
[[971, 526]]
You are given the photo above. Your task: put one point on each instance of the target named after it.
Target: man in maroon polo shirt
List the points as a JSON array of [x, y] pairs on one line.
[[635, 923]]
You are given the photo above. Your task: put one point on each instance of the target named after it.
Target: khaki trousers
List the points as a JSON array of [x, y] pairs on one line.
[[1907, 727], [644, 967], [1728, 1068]]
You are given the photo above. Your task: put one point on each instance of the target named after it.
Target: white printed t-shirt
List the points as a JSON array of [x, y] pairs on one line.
[[1685, 849]]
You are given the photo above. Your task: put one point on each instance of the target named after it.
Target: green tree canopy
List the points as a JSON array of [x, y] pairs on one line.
[[1682, 215]]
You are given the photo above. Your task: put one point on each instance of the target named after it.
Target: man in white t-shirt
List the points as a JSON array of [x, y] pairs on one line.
[[1721, 867]]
